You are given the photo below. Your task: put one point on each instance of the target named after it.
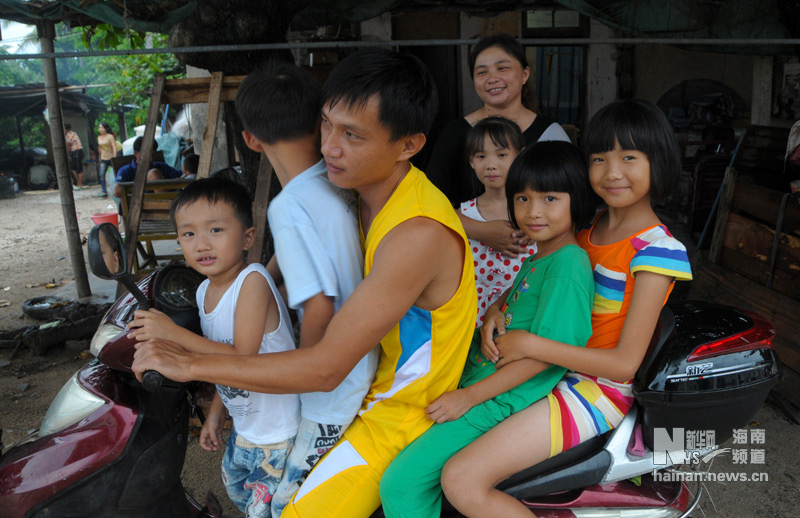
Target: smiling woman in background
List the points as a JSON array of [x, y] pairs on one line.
[[500, 73]]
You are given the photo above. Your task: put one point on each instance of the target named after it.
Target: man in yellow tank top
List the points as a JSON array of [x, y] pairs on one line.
[[417, 300]]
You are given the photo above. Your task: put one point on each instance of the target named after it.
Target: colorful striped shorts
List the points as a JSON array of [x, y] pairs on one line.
[[582, 407]]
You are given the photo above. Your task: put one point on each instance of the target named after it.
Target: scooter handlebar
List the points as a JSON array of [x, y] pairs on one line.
[[152, 380]]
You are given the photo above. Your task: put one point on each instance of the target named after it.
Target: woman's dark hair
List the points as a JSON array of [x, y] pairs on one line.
[[552, 166], [108, 129], [216, 190], [504, 133], [513, 48], [638, 125]]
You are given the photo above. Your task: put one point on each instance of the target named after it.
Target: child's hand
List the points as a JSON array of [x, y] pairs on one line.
[[494, 324], [151, 324], [211, 434], [504, 238], [449, 406], [512, 346]]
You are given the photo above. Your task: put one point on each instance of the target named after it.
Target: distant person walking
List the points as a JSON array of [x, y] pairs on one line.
[[107, 146], [75, 150]]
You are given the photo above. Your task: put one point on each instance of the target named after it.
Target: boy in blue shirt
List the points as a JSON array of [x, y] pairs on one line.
[[317, 248]]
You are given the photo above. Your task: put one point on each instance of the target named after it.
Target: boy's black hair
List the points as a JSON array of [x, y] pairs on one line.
[[404, 87], [552, 166], [67, 126], [137, 144], [638, 125], [191, 163], [216, 190], [505, 134], [280, 102], [513, 48]]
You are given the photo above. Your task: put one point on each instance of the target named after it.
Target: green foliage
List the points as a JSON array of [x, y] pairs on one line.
[[33, 132], [130, 78], [19, 72]]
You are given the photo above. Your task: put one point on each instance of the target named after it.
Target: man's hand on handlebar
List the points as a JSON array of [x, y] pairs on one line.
[[167, 358]]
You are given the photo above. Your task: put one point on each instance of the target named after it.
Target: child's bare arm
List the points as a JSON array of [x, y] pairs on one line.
[[211, 433], [274, 270], [452, 405], [317, 313], [493, 322], [619, 363], [498, 234], [256, 314]]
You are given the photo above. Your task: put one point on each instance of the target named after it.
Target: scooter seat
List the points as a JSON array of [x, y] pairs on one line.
[[580, 466]]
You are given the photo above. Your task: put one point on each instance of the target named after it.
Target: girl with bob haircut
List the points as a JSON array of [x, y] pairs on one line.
[[633, 159]]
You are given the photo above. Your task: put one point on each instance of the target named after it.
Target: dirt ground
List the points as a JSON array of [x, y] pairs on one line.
[[33, 253]]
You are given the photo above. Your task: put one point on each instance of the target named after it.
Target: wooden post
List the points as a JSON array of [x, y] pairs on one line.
[[22, 152], [265, 175], [122, 134], [142, 166], [728, 185], [47, 31], [207, 147]]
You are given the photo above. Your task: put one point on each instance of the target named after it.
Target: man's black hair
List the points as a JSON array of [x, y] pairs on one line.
[[137, 144], [553, 166], [191, 163], [405, 89], [67, 126], [280, 102], [216, 190], [505, 134], [638, 125]]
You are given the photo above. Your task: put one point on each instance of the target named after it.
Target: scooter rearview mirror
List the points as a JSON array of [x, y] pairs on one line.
[[108, 261]]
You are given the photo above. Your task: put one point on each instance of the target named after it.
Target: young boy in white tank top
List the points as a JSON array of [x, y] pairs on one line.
[[241, 313]]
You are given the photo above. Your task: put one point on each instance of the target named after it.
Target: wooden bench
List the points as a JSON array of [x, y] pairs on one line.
[[155, 223]]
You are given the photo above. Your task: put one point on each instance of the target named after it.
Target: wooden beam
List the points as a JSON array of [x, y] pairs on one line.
[[763, 203], [210, 133], [721, 223], [265, 176], [195, 90], [145, 156]]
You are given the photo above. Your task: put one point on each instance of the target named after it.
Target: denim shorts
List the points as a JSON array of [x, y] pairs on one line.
[[251, 473], [312, 442]]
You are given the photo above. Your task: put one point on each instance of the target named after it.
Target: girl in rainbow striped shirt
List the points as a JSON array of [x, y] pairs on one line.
[[633, 160]]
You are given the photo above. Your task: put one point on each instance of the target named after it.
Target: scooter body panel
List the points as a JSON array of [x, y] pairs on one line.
[[43, 467], [650, 494]]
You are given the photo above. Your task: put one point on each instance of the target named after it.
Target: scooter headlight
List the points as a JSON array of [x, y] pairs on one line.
[[102, 336], [72, 404]]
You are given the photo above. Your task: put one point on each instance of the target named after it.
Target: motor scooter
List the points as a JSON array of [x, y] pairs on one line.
[[110, 446], [708, 369], [107, 447]]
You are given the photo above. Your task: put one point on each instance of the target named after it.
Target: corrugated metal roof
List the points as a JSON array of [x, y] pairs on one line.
[[29, 100]]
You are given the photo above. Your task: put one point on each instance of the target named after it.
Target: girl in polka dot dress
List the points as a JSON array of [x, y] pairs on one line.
[[492, 144]]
